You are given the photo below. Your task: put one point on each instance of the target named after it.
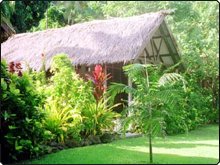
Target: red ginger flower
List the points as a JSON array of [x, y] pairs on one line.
[[15, 67]]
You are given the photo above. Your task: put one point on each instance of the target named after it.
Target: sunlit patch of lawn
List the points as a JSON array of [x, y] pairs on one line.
[[197, 147]]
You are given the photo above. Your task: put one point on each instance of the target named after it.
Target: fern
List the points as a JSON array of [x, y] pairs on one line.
[[170, 78], [116, 88]]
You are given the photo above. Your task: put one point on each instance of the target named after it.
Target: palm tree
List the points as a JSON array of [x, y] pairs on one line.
[[150, 90], [7, 9]]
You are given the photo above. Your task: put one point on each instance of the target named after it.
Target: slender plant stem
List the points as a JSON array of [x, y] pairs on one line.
[[150, 117], [150, 137]]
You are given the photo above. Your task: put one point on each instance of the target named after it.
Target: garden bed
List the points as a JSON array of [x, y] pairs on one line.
[[197, 147]]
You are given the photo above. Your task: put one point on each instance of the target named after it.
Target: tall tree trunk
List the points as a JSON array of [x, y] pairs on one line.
[[150, 118], [150, 137], [150, 148]]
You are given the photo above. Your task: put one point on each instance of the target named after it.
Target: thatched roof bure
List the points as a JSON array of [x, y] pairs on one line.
[[96, 42]]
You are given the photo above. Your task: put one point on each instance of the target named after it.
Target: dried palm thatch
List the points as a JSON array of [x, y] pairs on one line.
[[100, 41]]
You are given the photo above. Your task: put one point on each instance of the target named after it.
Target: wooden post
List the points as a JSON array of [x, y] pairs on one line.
[[129, 94], [105, 71], [105, 83], [150, 137], [129, 101]]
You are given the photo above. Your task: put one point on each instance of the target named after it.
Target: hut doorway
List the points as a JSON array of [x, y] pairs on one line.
[[118, 76]]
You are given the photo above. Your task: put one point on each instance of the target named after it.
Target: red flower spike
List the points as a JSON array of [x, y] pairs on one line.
[[11, 67], [18, 65], [19, 73], [98, 69], [99, 77], [15, 67]]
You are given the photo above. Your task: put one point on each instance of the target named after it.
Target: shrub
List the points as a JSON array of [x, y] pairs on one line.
[[67, 94], [190, 112], [71, 108], [98, 117], [21, 117]]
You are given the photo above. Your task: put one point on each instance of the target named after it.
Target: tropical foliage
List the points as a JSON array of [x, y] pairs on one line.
[[98, 118], [66, 98], [150, 92], [53, 18], [21, 117], [99, 77], [24, 14], [37, 112], [58, 106]]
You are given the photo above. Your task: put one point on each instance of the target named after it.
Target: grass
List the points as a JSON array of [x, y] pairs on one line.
[[200, 146]]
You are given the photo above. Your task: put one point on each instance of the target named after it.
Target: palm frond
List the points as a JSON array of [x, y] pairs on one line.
[[136, 69], [116, 88], [126, 122], [171, 78], [172, 68], [166, 96], [153, 126]]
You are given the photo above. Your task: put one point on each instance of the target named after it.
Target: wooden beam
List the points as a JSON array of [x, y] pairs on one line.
[[129, 94], [172, 38], [105, 71], [157, 50], [148, 60], [156, 37], [166, 55], [147, 53], [152, 50], [161, 59], [168, 46], [177, 57]]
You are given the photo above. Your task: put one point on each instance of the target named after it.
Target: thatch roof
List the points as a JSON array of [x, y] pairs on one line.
[[99, 41]]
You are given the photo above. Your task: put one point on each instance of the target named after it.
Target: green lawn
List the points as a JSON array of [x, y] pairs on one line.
[[198, 147]]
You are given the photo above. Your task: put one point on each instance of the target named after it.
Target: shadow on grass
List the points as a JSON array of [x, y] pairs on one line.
[[113, 155], [182, 145], [134, 151], [203, 136], [165, 144]]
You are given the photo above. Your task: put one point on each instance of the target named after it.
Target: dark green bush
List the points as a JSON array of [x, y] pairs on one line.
[[21, 130], [193, 109]]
